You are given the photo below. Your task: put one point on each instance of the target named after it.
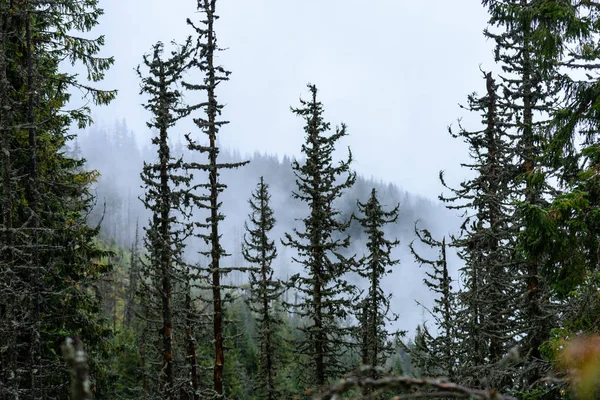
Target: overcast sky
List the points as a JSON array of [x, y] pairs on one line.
[[393, 70]]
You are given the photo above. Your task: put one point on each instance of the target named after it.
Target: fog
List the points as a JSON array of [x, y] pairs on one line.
[[113, 150], [394, 71]]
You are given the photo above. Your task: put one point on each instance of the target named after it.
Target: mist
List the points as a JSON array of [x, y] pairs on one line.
[[115, 151]]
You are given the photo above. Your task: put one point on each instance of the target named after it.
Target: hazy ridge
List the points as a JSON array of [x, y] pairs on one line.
[[115, 153]]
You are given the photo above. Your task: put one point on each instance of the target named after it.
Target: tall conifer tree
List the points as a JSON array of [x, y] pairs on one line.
[[260, 251], [48, 250], [530, 38], [209, 123], [323, 290], [487, 241], [436, 356], [165, 184], [376, 312], [571, 229]]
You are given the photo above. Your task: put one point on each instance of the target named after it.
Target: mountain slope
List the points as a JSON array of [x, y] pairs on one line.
[[113, 151]]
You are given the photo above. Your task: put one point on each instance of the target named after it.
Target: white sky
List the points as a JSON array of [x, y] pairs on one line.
[[393, 70]]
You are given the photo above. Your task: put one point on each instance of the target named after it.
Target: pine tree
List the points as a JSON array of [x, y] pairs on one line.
[[165, 198], [436, 356], [260, 251], [208, 123], [376, 265], [324, 292]]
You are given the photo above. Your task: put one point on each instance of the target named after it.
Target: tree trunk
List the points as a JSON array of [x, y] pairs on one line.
[[32, 197], [214, 204], [165, 256], [190, 340]]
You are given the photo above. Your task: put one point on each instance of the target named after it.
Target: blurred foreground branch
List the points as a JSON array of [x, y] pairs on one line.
[[72, 350], [438, 388]]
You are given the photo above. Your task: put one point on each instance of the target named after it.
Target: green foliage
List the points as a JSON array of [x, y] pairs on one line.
[[122, 367], [436, 356], [529, 240], [241, 369], [325, 294], [264, 290], [46, 196], [374, 339], [168, 227]]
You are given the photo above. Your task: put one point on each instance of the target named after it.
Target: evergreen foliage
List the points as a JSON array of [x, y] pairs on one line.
[[436, 356], [134, 275], [264, 291], [151, 318], [529, 46], [204, 61], [165, 235], [48, 261], [486, 245], [376, 345], [324, 293]]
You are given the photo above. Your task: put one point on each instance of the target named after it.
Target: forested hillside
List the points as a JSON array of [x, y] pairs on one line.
[[113, 150], [118, 208], [174, 268]]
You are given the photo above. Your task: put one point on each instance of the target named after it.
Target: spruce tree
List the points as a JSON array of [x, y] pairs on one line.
[[485, 322], [48, 250], [165, 186], [570, 229], [530, 41], [424, 354], [265, 290], [324, 293], [208, 122], [376, 346], [436, 356]]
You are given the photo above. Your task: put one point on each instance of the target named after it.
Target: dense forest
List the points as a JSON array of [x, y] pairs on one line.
[[178, 269]]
